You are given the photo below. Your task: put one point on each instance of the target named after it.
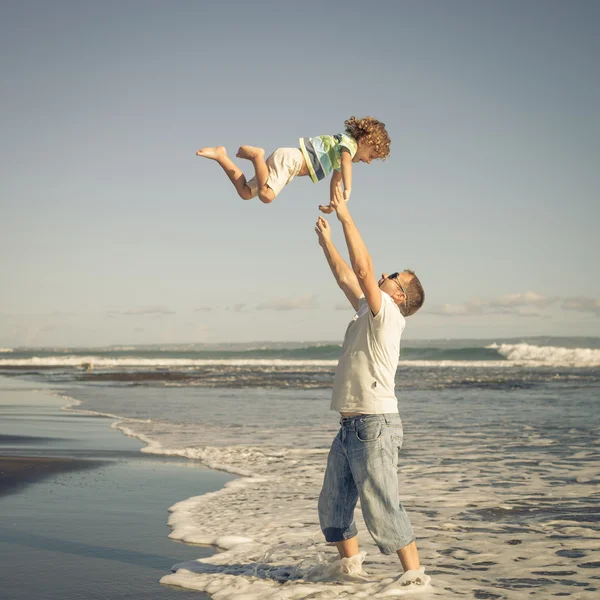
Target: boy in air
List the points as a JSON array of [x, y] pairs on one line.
[[363, 140]]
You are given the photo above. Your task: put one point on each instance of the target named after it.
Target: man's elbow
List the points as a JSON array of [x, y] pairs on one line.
[[362, 272], [344, 281]]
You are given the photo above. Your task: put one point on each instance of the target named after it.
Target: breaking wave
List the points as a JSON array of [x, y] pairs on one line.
[[321, 355], [529, 354]]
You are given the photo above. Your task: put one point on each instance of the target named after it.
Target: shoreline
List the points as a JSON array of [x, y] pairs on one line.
[[80, 501]]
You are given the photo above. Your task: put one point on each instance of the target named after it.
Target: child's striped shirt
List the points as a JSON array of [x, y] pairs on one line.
[[323, 153]]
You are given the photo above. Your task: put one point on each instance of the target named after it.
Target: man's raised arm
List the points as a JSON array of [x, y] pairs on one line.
[[362, 266], [342, 272]]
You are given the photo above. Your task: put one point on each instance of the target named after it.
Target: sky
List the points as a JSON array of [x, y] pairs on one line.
[[112, 231]]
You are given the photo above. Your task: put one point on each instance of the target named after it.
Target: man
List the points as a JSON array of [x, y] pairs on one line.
[[363, 459]]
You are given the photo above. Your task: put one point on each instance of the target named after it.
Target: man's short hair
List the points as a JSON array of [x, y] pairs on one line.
[[415, 295]]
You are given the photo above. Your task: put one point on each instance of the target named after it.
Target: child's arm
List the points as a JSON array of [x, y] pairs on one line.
[[334, 181], [346, 173]]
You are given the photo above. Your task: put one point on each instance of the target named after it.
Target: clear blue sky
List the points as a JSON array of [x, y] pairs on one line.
[[112, 231]]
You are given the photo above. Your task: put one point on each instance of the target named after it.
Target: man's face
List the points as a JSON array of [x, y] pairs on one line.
[[394, 287]]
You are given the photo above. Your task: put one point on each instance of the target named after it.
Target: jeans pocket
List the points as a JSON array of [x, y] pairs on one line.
[[369, 431], [397, 435]]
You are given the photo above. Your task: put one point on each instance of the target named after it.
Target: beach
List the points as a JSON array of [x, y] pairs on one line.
[[18, 471], [499, 472], [82, 512]]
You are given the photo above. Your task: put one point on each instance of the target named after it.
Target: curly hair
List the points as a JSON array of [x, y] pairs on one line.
[[369, 130]]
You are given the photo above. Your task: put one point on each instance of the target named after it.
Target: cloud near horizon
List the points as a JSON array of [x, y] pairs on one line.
[[240, 307], [343, 306], [514, 305], [301, 303], [152, 311], [582, 304]]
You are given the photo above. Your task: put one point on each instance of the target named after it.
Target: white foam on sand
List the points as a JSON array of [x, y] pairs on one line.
[[467, 514]]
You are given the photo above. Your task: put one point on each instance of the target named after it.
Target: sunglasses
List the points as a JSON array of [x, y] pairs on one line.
[[394, 278]]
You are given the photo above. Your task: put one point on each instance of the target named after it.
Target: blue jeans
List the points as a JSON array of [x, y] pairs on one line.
[[363, 462]]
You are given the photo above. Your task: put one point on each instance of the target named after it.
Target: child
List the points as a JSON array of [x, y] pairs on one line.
[[363, 141]]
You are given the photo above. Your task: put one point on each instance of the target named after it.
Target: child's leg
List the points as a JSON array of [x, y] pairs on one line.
[[233, 172], [257, 156]]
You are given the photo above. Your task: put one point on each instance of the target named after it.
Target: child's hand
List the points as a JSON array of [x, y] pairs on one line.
[[347, 195], [326, 209]]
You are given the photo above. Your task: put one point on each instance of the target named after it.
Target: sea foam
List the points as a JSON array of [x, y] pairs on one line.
[[472, 494], [509, 355], [528, 354], [133, 361]]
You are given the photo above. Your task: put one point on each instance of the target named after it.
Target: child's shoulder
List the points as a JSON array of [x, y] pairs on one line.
[[343, 140], [345, 136], [335, 141]]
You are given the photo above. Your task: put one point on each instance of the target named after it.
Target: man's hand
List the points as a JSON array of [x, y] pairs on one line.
[[323, 231], [339, 204]]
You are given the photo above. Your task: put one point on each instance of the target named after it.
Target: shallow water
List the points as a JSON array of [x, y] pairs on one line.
[[502, 484], [500, 469]]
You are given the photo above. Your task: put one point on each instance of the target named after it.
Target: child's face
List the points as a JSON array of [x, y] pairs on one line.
[[365, 153]]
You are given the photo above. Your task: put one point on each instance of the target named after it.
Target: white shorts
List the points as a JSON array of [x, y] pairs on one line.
[[284, 164]]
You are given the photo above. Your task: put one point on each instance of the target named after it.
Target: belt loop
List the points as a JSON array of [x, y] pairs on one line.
[[387, 419]]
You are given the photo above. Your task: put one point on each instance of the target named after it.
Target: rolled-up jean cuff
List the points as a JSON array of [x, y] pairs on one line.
[[335, 534], [393, 551]]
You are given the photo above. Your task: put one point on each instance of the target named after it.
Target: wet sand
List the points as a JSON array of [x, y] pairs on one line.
[[16, 472], [83, 514]]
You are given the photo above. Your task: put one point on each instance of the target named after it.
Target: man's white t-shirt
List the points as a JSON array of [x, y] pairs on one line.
[[365, 376]]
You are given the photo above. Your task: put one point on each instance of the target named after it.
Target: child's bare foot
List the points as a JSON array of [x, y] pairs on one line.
[[216, 153], [250, 152]]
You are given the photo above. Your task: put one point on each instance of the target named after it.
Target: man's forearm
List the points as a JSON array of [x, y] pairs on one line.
[[360, 258], [339, 267]]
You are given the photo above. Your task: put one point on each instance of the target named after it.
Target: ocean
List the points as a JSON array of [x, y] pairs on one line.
[[500, 469]]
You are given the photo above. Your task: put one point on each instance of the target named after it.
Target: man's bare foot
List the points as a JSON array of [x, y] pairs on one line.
[[250, 152], [216, 153]]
